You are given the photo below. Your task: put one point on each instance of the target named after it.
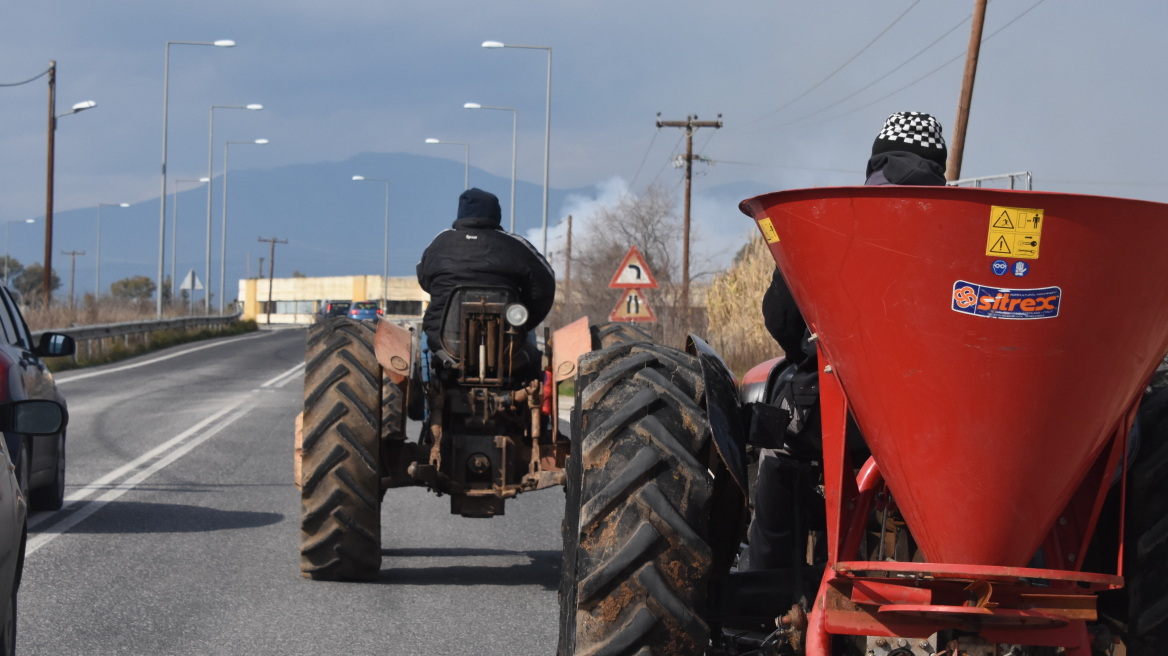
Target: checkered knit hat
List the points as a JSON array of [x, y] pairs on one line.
[[914, 132]]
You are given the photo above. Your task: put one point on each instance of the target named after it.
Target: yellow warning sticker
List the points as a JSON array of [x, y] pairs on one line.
[[1014, 232], [768, 231]]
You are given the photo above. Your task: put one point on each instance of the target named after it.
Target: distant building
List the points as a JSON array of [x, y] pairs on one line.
[[296, 300]]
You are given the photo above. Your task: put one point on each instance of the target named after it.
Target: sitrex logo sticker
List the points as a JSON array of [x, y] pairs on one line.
[[1002, 303]]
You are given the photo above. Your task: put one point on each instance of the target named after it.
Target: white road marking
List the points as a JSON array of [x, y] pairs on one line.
[[286, 377], [76, 509]]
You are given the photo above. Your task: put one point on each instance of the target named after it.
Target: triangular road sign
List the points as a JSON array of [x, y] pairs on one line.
[[191, 282], [633, 273], [632, 307]]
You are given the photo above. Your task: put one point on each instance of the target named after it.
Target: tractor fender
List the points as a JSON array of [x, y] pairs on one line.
[[568, 344], [392, 345], [723, 410]]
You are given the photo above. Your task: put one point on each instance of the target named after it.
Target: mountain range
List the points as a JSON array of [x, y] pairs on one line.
[[332, 225]]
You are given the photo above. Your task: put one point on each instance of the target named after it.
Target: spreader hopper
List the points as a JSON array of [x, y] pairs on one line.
[[990, 345]]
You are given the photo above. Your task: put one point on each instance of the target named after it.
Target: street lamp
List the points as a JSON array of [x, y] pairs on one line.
[[222, 43], [466, 183], [514, 134], [174, 236], [97, 256], [385, 261], [223, 227], [47, 280], [8, 224], [210, 177], [547, 130]]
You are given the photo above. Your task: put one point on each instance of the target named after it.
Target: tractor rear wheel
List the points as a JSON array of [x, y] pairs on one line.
[[1146, 569], [340, 520], [613, 333], [636, 555]]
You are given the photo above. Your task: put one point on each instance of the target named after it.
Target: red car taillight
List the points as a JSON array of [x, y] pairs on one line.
[[380, 312]]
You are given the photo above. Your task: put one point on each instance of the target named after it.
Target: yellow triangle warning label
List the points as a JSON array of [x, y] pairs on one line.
[[1004, 222], [1001, 246]]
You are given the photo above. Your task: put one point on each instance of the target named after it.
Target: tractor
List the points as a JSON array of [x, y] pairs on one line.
[[485, 402], [970, 465]]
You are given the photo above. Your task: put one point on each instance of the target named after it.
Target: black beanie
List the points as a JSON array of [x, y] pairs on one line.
[[913, 132], [478, 204]]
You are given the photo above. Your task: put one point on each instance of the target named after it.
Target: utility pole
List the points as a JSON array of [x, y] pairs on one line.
[[271, 268], [690, 123], [957, 146], [568, 268], [72, 267], [47, 281]]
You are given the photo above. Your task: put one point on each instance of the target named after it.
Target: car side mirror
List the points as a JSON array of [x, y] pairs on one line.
[[55, 345], [32, 417]]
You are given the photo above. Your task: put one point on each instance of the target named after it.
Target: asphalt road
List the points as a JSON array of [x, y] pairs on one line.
[[181, 529]]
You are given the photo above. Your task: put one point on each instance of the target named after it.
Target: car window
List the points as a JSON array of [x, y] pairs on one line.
[[11, 335], [366, 305], [21, 325]]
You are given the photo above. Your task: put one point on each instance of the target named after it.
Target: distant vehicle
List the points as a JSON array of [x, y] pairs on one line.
[[365, 311], [40, 463], [28, 418], [333, 309]]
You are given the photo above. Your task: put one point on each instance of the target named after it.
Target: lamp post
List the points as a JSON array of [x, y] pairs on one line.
[[223, 227], [514, 134], [222, 43], [466, 182], [97, 255], [7, 225], [385, 260], [52, 147], [174, 236], [210, 177], [547, 130]]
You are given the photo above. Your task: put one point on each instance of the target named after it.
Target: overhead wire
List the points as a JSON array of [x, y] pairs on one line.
[[667, 161], [644, 158], [879, 79], [930, 73], [31, 79], [838, 69]]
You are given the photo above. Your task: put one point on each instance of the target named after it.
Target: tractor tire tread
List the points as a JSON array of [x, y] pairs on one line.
[[340, 528]]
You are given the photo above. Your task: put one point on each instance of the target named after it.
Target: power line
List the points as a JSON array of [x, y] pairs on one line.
[[919, 79], [644, 158], [31, 79], [879, 79], [841, 66], [669, 159]]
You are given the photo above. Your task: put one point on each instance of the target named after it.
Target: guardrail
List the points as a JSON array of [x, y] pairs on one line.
[[94, 339]]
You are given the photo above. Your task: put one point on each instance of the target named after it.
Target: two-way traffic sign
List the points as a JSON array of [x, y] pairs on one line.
[[632, 307]]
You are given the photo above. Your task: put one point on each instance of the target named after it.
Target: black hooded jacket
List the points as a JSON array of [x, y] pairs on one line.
[[898, 167], [476, 251]]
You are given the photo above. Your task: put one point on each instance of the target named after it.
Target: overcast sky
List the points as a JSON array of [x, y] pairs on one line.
[[1071, 90]]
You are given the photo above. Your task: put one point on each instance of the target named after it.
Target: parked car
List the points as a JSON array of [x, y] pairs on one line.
[[365, 311], [28, 418], [332, 309], [40, 463]]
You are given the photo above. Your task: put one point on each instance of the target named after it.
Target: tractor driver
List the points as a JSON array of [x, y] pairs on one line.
[[477, 251], [909, 150]]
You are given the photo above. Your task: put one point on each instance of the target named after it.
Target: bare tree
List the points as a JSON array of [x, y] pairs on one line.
[[651, 223]]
